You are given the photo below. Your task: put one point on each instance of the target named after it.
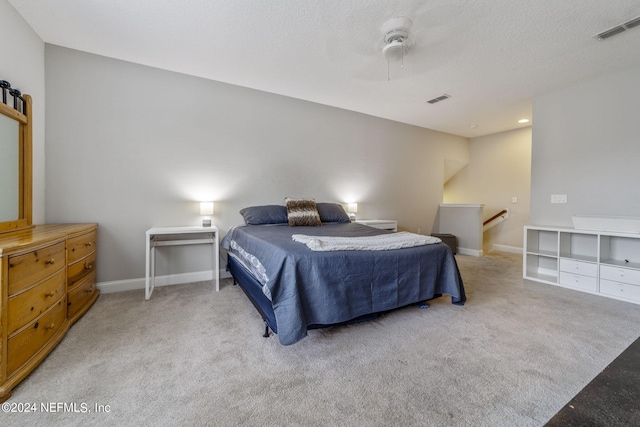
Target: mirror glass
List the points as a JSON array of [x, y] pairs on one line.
[[9, 169], [15, 165]]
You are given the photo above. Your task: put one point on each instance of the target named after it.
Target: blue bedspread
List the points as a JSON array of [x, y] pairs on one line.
[[307, 287]]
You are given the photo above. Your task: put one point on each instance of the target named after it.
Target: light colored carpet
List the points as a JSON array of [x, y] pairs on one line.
[[512, 356]]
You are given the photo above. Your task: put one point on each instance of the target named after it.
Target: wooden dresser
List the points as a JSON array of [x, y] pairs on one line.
[[47, 282]]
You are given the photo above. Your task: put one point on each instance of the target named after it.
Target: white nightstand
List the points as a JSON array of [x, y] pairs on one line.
[[170, 236], [383, 224]]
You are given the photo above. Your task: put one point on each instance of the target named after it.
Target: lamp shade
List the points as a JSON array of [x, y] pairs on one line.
[[206, 208], [352, 207]]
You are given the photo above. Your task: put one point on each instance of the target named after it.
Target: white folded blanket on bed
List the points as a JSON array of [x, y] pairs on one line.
[[381, 242]]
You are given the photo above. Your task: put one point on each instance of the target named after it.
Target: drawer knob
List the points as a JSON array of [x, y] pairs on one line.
[[88, 244], [88, 266], [50, 261], [51, 326], [49, 294]]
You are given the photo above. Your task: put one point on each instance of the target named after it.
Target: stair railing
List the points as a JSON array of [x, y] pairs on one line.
[[495, 220]]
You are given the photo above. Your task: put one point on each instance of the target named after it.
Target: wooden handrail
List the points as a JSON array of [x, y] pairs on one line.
[[499, 214]]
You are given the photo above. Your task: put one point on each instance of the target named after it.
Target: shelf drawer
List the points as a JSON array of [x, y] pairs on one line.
[[28, 305], [79, 296], [81, 246], [23, 345], [27, 269], [622, 290], [81, 269], [579, 267], [620, 274], [578, 281]]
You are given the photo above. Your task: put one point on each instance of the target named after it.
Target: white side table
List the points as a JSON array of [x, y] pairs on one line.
[[170, 236], [383, 224]]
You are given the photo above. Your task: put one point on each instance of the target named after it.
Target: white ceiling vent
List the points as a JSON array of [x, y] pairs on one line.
[[438, 99], [618, 29]]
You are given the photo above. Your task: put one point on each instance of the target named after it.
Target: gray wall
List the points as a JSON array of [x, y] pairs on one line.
[[22, 65], [586, 145], [133, 147], [464, 221]]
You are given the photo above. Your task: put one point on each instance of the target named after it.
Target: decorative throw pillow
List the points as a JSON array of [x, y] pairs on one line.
[[332, 212], [302, 212], [269, 214]]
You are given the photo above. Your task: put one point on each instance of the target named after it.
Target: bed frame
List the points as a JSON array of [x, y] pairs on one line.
[[253, 290]]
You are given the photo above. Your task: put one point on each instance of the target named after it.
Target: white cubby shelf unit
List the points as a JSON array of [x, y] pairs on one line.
[[597, 262]]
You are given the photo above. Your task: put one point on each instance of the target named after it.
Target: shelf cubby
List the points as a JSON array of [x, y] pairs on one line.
[[542, 242], [621, 251], [542, 267], [579, 246]]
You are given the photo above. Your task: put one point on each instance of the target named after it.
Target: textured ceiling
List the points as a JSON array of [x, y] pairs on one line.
[[491, 56]]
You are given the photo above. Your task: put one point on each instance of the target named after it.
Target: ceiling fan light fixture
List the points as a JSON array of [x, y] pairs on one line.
[[397, 38], [395, 51]]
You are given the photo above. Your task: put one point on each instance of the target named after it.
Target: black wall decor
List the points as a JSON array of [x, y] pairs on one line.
[[18, 100]]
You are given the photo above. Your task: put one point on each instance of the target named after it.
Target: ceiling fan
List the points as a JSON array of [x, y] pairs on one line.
[[362, 43], [397, 39]]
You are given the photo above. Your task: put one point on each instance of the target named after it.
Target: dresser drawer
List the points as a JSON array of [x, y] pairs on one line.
[[81, 269], [622, 290], [81, 246], [579, 267], [620, 274], [25, 270], [578, 281], [79, 296], [23, 345], [26, 306]]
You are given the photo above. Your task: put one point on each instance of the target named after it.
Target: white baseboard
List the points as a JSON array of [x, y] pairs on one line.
[[507, 248], [472, 252], [171, 279]]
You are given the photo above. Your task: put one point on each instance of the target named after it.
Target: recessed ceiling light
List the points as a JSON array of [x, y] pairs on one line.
[[523, 121], [473, 126]]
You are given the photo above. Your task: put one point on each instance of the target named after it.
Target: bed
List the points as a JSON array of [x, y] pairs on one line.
[[296, 288]]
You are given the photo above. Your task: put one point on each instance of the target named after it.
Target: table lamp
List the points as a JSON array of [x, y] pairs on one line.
[[206, 209], [352, 208]]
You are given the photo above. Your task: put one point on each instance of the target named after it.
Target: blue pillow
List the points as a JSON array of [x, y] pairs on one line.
[[269, 214], [332, 212]]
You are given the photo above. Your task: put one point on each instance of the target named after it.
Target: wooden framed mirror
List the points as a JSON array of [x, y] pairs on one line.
[[15, 163]]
